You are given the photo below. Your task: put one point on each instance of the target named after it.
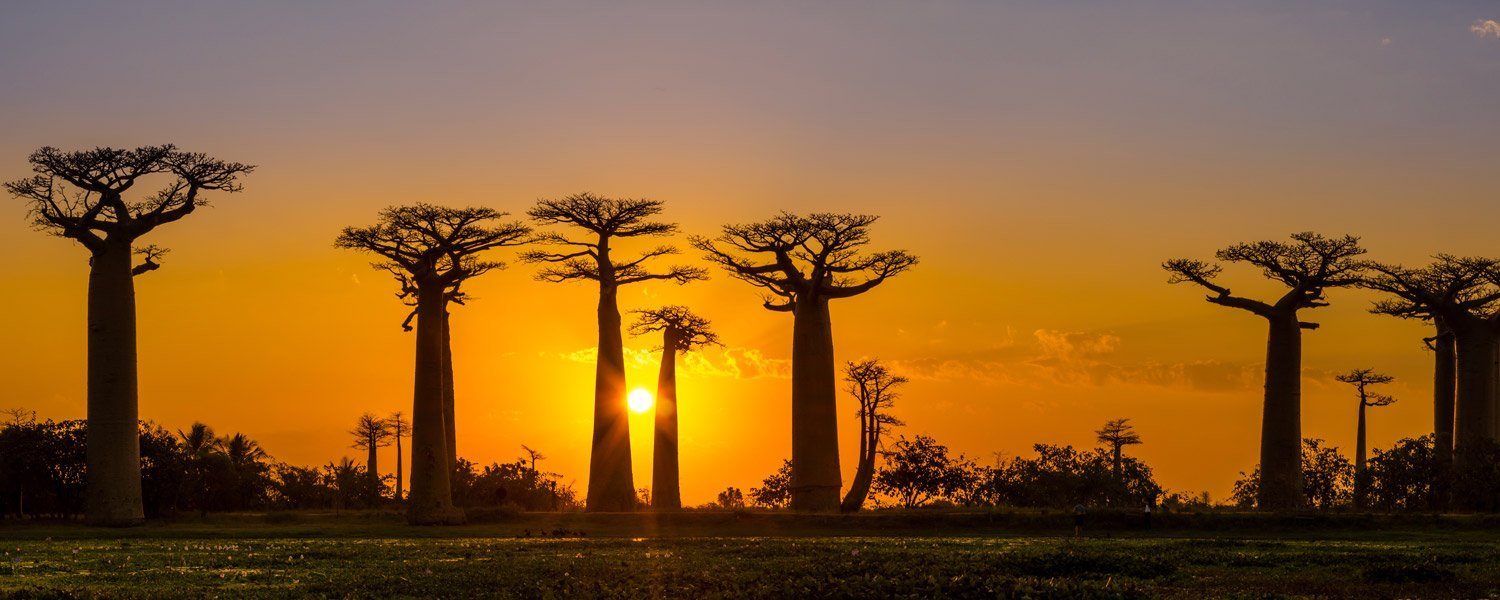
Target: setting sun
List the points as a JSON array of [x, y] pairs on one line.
[[640, 400]]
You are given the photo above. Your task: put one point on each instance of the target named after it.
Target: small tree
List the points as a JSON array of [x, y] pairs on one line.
[[589, 257], [1116, 435], [1308, 266], [730, 499], [370, 434], [776, 490], [1362, 379], [682, 331], [874, 387], [917, 471], [81, 196], [802, 263], [1328, 476], [435, 247]]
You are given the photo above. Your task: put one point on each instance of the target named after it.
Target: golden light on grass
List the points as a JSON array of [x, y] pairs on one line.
[[640, 400]]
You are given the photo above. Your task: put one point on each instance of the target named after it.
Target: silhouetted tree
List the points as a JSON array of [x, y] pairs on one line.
[[81, 196], [1362, 379], [730, 499], [917, 471], [1308, 266], [874, 387], [776, 490], [589, 257], [1117, 434], [805, 261], [1326, 473], [436, 247], [1402, 477], [400, 428], [682, 331], [372, 433], [1456, 293]]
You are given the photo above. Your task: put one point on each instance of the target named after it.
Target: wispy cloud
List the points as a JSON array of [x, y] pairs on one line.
[[733, 363], [1486, 28]]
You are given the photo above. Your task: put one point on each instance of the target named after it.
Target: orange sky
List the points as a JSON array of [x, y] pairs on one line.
[[1042, 160]]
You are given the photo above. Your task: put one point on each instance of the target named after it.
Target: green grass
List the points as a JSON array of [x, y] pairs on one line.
[[717, 555]]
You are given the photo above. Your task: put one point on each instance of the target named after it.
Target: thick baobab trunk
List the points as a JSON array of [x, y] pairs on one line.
[[815, 442], [665, 486], [1281, 418], [113, 446], [1444, 380], [374, 472], [451, 426], [431, 488], [611, 482], [1475, 352], [864, 472], [1361, 476]]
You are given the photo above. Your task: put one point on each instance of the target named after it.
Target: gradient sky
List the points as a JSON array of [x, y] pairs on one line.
[[1041, 157]]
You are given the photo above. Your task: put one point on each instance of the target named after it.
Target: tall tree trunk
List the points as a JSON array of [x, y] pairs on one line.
[[815, 441], [665, 486], [1476, 385], [113, 446], [611, 481], [1361, 475], [399, 488], [1444, 380], [431, 487], [1281, 418], [374, 472], [450, 424], [864, 472]]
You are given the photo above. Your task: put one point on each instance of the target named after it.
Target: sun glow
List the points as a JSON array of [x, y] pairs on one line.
[[640, 400]]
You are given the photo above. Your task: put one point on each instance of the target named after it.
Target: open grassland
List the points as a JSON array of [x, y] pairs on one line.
[[717, 555]]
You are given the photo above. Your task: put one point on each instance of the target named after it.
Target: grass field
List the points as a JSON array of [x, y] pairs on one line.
[[707, 555]]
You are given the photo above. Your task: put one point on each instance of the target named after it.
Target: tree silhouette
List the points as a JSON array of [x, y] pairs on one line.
[[806, 261], [400, 428], [1308, 266], [589, 257], [372, 433], [435, 247], [682, 331], [454, 295], [1117, 434], [80, 195], [1456, 294], [1362, 379], [874, 387]]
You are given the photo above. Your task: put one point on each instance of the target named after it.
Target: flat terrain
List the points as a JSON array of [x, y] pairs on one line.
[[706, 555]]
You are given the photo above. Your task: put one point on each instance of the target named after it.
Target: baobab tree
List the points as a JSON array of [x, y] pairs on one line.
[[1117, 434], [1458, 295], [1362, 380], [803, 262], [1308, 266], [454, 295], [435, 247], [874, 387], [400, 428], [371, 433], [81, 195], [589, 256], [682, 332]]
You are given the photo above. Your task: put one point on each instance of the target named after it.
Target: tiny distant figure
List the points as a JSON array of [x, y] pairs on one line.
[[1078, 513], [1146, 515]]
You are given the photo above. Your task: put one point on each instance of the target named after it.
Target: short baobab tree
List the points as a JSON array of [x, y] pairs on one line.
[[1116, 435], [1457, 295], [371, 433], [803, 262], [589, 256], [874, 386], [435, 246], [682, 331], [1363, 380], [1309, 265], [81, 195]]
